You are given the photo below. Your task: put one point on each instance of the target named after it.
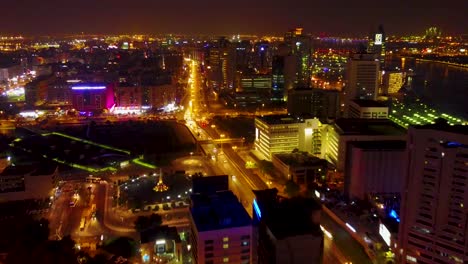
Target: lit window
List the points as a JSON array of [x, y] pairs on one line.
[[225, 239], [225, 260], [225, 245]]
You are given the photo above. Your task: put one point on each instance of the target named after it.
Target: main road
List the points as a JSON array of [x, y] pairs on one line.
[[243, 181]]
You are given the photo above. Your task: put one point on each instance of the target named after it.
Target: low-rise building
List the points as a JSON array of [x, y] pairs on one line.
[[369, 109], [27, 182], [287, 230], [89, 97], [300, 167], [161, 243]]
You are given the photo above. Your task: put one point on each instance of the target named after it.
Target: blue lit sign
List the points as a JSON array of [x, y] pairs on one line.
[[394, 215], [453, 144], [257, 209]]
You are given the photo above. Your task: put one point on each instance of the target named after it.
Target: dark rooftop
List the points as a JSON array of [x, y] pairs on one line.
[[45, 169], [300, 159], [384, 144], [17, 170], [361, 126], [368, 103], [216, 211], [288, 217], [280, 119], [33, 170], [211, 184]]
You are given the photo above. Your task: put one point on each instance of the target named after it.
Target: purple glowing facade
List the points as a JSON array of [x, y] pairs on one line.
[[76, 88], [92, 97]]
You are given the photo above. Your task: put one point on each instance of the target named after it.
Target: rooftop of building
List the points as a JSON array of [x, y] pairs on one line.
[[210, 184], [280, 119], [220, 210], [17, 170], [160, 232], [32, 170], [300, 159], [442, 125], [45, 169], [382, 144], [368, 103], [362, 126], [288, 217]]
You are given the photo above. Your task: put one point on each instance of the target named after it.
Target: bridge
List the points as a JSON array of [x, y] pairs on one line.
[[221, 141], [218, 141]]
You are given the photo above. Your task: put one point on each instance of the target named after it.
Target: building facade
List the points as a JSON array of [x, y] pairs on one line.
[[27, 182], [367, 109], [319, 103], [221, 228], [284, 133], [89, 97], [392, 82], [335, 138], [434, 214], [374, 168]]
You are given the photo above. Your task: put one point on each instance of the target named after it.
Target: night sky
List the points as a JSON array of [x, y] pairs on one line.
[[335, 17]]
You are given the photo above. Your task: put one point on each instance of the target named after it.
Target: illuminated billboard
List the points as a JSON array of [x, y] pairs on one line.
[[378, 39], [385, 234]]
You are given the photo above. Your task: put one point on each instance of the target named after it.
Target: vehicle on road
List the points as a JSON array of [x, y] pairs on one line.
[[82, 223]]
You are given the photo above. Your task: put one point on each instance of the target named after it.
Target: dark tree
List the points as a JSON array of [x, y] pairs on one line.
[[266, 167], [291, 188], [121, 246], [146, 222]]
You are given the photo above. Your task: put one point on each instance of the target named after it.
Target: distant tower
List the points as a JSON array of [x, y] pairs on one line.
[[300, 52], [160, 186], [377, 44]]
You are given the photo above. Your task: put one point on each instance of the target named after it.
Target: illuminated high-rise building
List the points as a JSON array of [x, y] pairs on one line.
[[362, 78], [222, 65], [434, 207]]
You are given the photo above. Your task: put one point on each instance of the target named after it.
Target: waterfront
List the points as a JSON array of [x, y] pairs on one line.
[[441, 86]]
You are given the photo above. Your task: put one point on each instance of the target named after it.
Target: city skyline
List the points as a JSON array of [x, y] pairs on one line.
[[269, 17]]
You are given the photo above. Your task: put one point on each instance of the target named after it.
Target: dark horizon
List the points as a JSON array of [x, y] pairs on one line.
[[207, 17]]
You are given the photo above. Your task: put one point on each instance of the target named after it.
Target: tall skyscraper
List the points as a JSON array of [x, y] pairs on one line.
[[434, 209], [377, 44], [277, 79], [222, 65], [262, 57], [300, 47], [362, 78]]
